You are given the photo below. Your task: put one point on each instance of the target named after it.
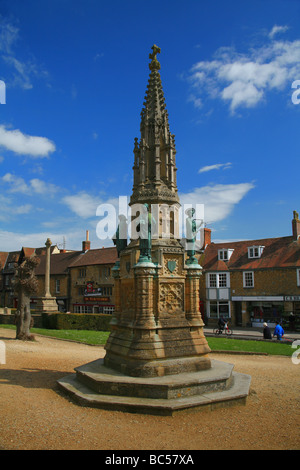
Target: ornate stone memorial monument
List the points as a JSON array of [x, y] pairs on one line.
[[157, 357]]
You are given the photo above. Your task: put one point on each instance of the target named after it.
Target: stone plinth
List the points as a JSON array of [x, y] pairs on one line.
[[157, 328], [46, 305], [97, 386]]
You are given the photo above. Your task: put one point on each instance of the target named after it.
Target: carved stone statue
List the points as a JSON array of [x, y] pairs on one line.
[[146, 221], [191, 232], [120, 237]]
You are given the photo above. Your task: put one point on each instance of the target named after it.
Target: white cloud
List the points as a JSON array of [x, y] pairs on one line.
[[13, 241], [277, 29], [41, 187], [8, 209], [82, 204], [22, 71], [23, 144], [243, 80], [35, 185], [219, 200], [217, 166], [17, 184]]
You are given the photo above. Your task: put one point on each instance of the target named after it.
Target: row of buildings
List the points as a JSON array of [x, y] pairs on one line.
[[248, 282], [81, 281]]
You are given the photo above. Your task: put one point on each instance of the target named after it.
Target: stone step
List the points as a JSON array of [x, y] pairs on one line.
[[84, 395], [106, 381]]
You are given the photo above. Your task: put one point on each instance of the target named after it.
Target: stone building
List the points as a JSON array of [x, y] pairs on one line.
[[81, 281], [7, 271], [91, 281], [252, 281]]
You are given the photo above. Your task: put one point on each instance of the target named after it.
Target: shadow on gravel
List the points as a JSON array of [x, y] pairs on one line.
[[31, 378]]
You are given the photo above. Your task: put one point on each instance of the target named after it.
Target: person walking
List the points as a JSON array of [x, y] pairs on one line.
[[267, 332], [279, 332]]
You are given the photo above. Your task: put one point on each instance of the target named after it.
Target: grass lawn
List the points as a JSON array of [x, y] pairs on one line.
[[224, 344]]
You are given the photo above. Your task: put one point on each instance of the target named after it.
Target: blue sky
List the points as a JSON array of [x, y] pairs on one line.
[[76, 74]]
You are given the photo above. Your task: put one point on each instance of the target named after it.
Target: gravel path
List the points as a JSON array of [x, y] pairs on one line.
[[34, 415]]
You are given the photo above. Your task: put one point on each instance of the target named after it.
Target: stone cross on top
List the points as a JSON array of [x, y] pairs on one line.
[[154, 65]]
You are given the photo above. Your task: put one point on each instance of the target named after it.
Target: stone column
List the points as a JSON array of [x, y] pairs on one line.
[[47, 270], [144, 295], [117, 289], [192, 297]]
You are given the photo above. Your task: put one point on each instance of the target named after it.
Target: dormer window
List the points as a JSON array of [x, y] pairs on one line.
[[225, 254], [255, 251]]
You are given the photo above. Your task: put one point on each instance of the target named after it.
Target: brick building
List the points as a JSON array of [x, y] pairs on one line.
[[252, 281]]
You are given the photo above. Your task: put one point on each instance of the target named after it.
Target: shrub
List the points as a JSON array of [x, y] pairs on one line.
[[77, 321]]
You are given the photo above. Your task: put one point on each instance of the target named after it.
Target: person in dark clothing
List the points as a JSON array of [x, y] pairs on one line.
[[221, 323], [267, 332]]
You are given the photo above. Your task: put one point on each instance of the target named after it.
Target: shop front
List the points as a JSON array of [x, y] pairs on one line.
[[94, 303], [255, 311]]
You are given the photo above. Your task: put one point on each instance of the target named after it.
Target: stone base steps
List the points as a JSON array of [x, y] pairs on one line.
[[95, 385]]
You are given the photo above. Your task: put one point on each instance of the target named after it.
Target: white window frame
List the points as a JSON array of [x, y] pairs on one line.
[[218, 302], [225, 254], [57, 286], [212, 281], [245, 281], [255, 251], [217, 280], [298, 277]]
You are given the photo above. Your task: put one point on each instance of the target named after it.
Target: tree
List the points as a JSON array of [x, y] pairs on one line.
[[25, 285]]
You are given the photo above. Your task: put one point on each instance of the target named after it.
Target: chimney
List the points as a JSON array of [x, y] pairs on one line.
[[207, 237], [86, 245], [296, 226]]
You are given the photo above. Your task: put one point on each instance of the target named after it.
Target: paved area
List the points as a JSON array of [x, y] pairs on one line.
[[36, 416]]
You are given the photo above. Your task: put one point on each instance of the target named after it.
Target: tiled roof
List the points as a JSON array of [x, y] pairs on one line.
[[12, 257], [3, 257], [281, 252], [97, 256], [59, 262]]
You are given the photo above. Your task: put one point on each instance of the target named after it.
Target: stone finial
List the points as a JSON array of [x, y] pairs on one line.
[[296, 215], [48, 242], [154, 64]]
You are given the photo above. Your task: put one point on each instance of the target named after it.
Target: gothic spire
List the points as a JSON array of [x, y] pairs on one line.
[[154, 155]]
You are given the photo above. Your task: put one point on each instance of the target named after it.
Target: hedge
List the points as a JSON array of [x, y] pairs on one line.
[[76, 321]]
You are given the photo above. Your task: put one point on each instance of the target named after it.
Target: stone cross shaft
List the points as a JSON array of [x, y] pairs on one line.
[[47, 271]]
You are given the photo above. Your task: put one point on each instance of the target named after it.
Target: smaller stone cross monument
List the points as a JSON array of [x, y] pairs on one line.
[[47, 304]]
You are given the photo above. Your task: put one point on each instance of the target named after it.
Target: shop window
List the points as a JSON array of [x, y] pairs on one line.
[[248, 279], [218, 309], [108, 310]]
